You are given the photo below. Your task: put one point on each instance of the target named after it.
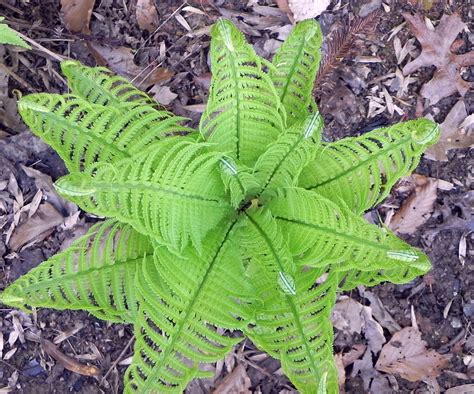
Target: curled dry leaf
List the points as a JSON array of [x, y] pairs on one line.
[[77, 14], [439, 48], [147, 16], [406, 355], [456, 133], [68, 362], [417, 208], [120, 61]]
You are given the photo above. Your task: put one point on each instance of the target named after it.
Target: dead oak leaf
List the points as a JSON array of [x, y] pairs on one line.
[[456, 133], [77, 14], [439, 49], [417, 208], [406, 355]]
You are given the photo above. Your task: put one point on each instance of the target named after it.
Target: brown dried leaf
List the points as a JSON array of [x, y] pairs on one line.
[[438, 49], [147, 16], [120, 61], [406, 355], [68, 362], [306, 9], [464, 389], [36, 228], [77, 14], [453, 136], [416, 209], [237, 382]]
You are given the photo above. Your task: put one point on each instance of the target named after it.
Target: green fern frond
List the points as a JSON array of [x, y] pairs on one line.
[[296, 64], [84, 133], [361, 171], [252, 225], [185, 302], [96, 273], [243, 114], [297, 329], [173, 193], [263, 242], [10, 37], [324, 233], [98, 85], [282, 162]]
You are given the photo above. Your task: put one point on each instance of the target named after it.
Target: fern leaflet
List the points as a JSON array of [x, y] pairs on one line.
[[362, 170], [190, 298], [243, 114], [96, 273], [296, 63]]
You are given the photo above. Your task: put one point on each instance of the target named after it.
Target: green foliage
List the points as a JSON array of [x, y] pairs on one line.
[[10, 37], [250, 226]]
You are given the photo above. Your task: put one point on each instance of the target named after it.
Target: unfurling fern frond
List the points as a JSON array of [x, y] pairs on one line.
[[10, 37], [185, 302], [324, 233], [96, 273], [243, 114], [296, 63], [98, 85], [361, 171], [281, 164], [253, 225], [84, 133], [238, 180], [173, 192]]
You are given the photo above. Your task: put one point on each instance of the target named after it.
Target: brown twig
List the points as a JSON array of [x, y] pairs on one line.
[[41, 48]]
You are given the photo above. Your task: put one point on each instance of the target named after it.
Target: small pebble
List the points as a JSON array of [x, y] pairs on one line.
[[456, 323]]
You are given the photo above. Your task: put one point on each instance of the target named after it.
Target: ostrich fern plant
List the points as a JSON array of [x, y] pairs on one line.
[[250, 225]]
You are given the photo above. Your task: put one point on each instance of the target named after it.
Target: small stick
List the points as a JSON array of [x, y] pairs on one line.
[[41, 48], [114, 364]]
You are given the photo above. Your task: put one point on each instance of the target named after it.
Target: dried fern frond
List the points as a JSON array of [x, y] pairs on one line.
[[339, 44]]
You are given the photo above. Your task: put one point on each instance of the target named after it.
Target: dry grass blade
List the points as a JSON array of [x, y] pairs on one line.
[[340, 44]]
